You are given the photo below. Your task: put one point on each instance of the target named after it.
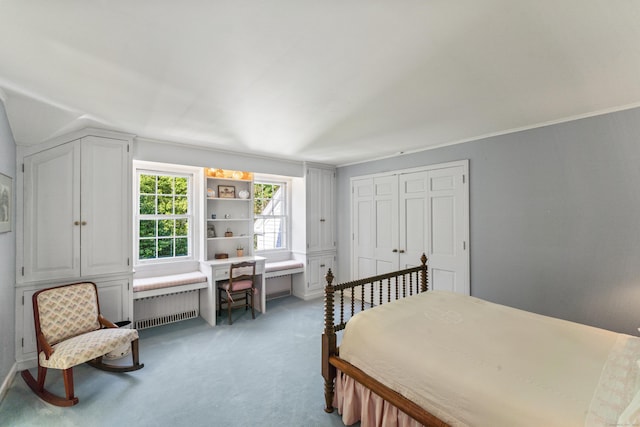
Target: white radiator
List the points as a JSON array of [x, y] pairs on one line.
[[164, 309]]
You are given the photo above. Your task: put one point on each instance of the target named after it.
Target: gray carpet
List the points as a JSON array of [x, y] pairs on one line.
[[262, 372]]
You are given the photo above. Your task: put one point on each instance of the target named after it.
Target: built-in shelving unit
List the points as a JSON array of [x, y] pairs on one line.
[[229, 213]]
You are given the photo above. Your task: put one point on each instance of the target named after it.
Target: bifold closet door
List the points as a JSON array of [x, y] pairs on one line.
[[398, 217], [447, 222]]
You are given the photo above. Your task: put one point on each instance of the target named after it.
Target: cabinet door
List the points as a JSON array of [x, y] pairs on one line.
[[327, 223], [113, 297], [318, 266], [105, 205], [28, 330], [314, 213], [52, 213], [320, 210]]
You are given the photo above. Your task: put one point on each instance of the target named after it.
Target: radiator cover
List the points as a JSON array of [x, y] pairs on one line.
[[164, 309]]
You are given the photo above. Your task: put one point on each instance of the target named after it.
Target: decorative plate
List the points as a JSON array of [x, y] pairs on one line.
[[243, 194]]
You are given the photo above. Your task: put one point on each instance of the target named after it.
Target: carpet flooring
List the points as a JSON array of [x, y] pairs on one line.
[[262, 372]]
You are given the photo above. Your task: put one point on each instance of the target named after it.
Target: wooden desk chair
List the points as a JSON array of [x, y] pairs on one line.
[[240, 287], [69, 331]]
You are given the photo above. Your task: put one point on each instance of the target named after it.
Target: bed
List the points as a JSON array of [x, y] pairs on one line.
[[411, 357]]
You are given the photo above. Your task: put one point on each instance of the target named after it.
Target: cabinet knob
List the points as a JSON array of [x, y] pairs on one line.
[[394, 251], [76, 223], [401, 251], [322, 220], [83, 223], [321, 265]]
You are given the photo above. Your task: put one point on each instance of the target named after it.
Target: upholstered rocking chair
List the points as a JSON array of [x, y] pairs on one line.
[[70, 331], [240, 287]]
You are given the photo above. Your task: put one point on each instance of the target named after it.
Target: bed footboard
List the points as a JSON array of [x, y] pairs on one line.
[[361, 294]]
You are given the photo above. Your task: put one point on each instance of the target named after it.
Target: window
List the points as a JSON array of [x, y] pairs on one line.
[[270, 214], [164, 216]]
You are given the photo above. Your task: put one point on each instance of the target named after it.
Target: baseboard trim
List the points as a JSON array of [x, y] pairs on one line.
[[7, 381]]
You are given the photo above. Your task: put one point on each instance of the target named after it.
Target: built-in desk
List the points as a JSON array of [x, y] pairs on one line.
[[217, 270]]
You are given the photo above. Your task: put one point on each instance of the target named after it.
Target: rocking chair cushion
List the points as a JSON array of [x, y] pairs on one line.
[[85, 347], [238, 286], [67, 311]]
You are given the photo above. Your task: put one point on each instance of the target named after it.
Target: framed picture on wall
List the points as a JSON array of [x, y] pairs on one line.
[[6, 196], [226, 191]]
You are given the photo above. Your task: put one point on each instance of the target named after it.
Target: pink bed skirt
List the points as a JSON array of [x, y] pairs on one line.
[[356, 403]]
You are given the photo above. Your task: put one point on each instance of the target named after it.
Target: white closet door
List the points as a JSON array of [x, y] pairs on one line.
[[399, 216], [414, 233], [362, 225], [448, 219], [385, 227]]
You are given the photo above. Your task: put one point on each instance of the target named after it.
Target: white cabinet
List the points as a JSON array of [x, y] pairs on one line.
[[73, 223], [77, 216], [319, 248], [228, 214], [320, 209]]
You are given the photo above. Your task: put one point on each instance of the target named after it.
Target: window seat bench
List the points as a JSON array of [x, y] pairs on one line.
[[170, 284], [166, 299], [282, 268], [278, 277]]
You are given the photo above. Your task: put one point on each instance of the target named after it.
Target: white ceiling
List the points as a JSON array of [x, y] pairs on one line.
[[320, 80]]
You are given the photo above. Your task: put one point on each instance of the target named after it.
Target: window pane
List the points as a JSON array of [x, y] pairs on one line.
[[270, 215], [147, 205], [165, 185], [147, 249], [182, 227], [181, 205], [165, 196], [181, 185], [147, 228], [165, 205], [165, 248], [165, 227], [182, 247], [147, 184], [258, 206]]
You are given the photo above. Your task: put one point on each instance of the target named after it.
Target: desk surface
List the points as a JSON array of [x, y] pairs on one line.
[[226, 261]]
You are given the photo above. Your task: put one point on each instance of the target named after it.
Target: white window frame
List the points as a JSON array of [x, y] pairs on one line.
[[287, 183], [193, 179]]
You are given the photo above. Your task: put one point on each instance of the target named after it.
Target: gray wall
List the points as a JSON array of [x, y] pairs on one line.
[[555, 217], [7, 257]]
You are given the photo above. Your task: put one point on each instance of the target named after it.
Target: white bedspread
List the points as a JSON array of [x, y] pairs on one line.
[[471, 362]]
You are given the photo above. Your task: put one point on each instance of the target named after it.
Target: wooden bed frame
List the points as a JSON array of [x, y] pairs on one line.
[[404, 283]]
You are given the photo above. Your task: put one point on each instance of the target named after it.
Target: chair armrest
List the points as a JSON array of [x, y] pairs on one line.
[[106, 323], [44, 345]]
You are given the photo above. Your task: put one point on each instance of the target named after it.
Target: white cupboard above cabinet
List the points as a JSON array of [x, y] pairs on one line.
[[73, 223], [76, 216], [320, 210]]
